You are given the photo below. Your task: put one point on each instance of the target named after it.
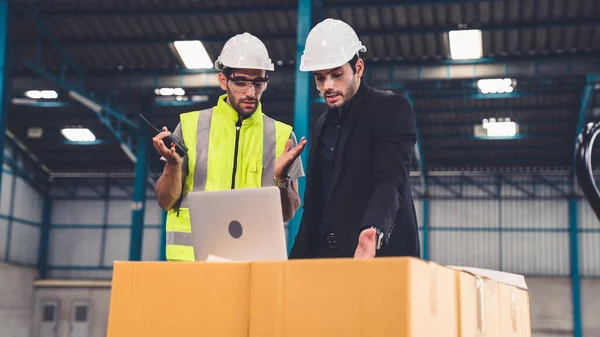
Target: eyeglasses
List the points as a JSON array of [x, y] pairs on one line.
[[241, 84]]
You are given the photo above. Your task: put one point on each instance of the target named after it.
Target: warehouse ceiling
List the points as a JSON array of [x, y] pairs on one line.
[[118, 53]]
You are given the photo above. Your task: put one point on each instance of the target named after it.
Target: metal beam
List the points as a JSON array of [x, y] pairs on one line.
[[44, 247], [471, 94], [11, 209], [76, 92], [4, 74], [139, 187], [380, 72], [575, 277], [586, 101], [243, 9], [162, 255], [425, 227], [290, 35], [419, 149], [320, 10], [520, 122], [302, 101], [552, 135]]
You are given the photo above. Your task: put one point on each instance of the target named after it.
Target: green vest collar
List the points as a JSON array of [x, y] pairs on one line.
[[229, 112]]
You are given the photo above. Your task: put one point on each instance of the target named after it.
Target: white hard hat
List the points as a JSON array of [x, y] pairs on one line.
[[330, 44], [244, 51]]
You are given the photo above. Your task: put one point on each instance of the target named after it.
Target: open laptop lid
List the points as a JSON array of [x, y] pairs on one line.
[[238, 225]]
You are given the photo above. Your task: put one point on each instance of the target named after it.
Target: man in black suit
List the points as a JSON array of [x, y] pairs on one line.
[[358, 201]]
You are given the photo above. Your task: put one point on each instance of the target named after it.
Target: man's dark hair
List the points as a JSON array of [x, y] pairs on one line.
[[228, 71], [353, 63]]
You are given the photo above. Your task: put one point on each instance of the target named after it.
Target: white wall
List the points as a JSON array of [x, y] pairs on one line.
[[88, 232], [20, 212], [16, 300]]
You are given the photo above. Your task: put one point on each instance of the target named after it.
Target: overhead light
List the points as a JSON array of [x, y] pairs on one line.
[[78, 134], [35, 132], [465, 44], [495, 85], [500, 128], [169, 91], [41, 94], [193, 54]]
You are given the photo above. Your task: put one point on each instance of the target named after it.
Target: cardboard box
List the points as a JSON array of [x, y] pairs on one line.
[[492, 303], [404, 297], [179, 299], [477, 306], [345, 297], [514, 311]]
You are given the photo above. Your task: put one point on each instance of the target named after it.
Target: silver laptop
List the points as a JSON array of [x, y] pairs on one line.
[[238, 225]]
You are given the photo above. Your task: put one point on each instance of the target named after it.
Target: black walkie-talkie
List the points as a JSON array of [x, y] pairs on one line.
[[170, 140]]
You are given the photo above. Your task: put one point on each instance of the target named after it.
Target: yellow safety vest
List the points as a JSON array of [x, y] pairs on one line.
[[221, 144]]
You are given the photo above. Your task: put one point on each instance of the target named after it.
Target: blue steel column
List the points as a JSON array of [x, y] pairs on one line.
[[139, 187], [574, 248], [424, 181], [586, 100], [4, 75], [425, 227], [43, 249], [301, 107], [163, 238]]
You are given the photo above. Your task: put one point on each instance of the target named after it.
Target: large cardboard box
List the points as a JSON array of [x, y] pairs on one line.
[[492, 303], [514, 311], [352, 298], [330, 297], [152, 299]]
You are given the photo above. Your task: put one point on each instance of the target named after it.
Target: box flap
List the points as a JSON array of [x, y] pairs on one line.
[[499, 276]]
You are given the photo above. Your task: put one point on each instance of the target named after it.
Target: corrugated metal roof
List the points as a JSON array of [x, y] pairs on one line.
[[127, 40]]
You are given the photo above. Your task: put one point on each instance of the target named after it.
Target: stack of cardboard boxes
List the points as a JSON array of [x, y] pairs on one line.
[[404, 297]]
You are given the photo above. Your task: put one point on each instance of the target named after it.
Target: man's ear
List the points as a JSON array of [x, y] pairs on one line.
[[360, 67], [223, 81]]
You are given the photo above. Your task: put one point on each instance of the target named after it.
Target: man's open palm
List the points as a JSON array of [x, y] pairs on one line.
[[283, 163]]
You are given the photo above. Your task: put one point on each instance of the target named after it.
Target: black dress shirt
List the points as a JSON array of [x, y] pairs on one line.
[[326, 148]]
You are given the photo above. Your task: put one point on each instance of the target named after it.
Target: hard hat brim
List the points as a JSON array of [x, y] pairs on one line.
[[220, 66]]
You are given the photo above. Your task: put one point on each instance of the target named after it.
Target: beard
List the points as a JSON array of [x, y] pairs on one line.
[[245, 106], [337, 99]]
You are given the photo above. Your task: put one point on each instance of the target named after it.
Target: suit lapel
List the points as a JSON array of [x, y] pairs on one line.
[[315, 141], [311, 157], [346, 132]]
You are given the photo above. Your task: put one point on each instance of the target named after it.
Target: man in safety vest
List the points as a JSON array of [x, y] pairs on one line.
[[357, 189], [232, 145]]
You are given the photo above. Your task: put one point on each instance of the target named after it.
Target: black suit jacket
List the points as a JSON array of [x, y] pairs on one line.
[[370, 180]]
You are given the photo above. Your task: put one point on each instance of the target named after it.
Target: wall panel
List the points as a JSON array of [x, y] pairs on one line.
[[97, 212], [21, 207]]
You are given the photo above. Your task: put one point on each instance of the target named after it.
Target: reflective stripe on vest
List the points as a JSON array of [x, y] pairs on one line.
[[275, 134]]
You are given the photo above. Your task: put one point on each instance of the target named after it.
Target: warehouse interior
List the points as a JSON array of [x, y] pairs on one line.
[[500, 89]]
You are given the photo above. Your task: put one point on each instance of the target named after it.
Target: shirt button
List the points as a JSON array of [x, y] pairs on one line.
[[331, 149]]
